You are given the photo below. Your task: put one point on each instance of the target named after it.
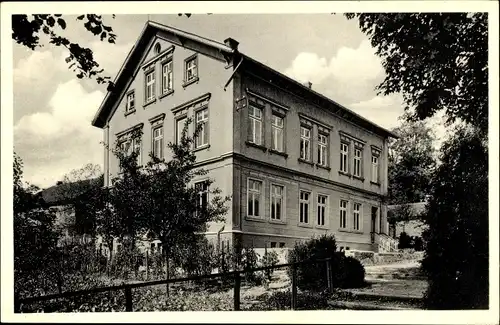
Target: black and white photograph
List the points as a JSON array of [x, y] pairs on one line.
[[250, 157]]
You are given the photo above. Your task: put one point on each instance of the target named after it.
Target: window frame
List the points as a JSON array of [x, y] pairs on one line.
[[358, 162], [375, 166], [129, 109], [357, 216], [305, 219], [192, 58], [282, 206], [151, 83], [132, 144], [325, 207], [203, 191], [178, 132], [261, 197], [275, 128], [343, 213], [161, 138], [253, 120], [344, 157], [305, 154], [170, 88], [204, 133], [322, 146]]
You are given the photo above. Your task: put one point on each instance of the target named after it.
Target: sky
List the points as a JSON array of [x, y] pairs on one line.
[[53, 109]]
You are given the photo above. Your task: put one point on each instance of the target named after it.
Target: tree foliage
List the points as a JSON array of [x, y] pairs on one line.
[[437, 61], [412, 161], [26, 30], [456, 259], [157, 200], [35, 240]]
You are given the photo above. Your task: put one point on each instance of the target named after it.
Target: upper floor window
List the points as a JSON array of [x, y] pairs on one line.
[[130, 105], [180, 124], [322, 150], [202, 122], [358, 156], [158, 142], [277, 192], [277, 133], [304, 206], [191, 69], [356, 216], [374, 169], [305, 143], [344, 157], [255, 127], [167, 81], [343, 214], [131, 145], [322, 209], [150, 86], [254, 198]]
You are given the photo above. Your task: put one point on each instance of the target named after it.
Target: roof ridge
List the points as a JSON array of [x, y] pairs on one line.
[[151, 22]]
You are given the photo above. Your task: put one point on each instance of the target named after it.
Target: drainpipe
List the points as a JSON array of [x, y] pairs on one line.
[[232, 74], [218, 238]]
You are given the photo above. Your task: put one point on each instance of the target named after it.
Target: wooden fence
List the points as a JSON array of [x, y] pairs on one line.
[[18, 302]]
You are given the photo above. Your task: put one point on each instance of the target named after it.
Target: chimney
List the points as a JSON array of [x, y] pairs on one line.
[[232, 43], [308, 84]]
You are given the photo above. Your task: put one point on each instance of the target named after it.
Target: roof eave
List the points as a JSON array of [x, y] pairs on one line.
[[98, 120]]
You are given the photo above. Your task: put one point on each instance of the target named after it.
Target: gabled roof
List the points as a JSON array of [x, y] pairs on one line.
[[63, 193], [222, 52]]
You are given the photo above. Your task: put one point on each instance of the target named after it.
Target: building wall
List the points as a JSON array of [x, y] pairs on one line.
[[260, 163], [259, 232], [212, 77]]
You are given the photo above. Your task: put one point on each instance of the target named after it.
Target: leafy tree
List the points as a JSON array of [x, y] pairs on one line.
[[35, 240], [437, 61], [404, 241], [156, 201], [26, 30], [411, 162], [456, 258]]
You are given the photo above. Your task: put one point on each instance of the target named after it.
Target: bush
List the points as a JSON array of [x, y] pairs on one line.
[[404, 241], [270, 258], [313, 276], [418, 243], [199, 258], [354, 273], [347, 272]]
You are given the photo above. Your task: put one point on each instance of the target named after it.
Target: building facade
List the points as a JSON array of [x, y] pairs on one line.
[[295, 163]]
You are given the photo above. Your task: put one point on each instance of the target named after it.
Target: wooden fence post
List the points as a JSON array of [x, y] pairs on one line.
[[237, 284], [147, 265], [128, 299], [294, 287], [329, 274], [17, 305]]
